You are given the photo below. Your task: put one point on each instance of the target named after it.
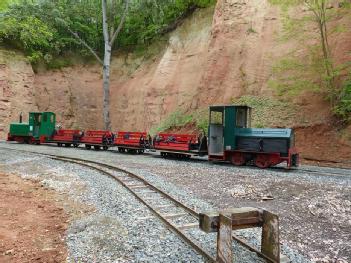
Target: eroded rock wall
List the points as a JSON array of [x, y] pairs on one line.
[[16, 89], [217, 54]]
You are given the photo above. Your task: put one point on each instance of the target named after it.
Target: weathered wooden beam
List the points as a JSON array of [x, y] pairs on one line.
[[270, 236], [224, 239], [239, 218], [188, 226], [244, 217], [134, 186], [164, 206], [174, 215]]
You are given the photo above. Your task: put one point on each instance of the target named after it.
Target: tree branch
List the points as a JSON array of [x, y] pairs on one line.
[[85, 44], [104, 21], [113, 38]]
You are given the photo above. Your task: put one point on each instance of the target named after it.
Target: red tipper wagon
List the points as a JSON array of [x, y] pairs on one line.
[[67, 137], [180, 145], [98, 139], [133, 142]]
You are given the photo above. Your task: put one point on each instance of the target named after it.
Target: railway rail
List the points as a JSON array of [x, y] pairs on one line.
[[317, 170], [151, 196]]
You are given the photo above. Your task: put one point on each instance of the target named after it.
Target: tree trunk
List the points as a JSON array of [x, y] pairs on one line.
[[106, 69], [106, 87], [109, 40]]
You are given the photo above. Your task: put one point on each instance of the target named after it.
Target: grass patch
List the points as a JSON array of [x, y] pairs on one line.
[[268, 112], [179, 118]]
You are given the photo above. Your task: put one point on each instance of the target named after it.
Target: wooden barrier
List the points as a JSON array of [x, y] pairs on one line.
[[223, 222]]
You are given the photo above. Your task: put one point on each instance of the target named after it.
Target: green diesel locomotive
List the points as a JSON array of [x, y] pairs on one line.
[[40, 127], [232, 139]]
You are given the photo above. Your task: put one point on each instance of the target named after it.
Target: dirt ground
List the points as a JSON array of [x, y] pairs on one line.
[[322, 145], [32, 223]]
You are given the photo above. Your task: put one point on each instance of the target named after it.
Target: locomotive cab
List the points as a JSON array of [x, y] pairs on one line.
[[223, 121], [232, 139], [40, 126]]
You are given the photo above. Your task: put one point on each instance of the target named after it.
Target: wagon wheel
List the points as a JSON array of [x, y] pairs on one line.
[[96, 147], [75, 145], [88, 146], [262, 161], [105, 148], [238, 159]]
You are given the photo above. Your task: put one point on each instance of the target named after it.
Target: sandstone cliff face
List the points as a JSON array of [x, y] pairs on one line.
[[216, 55], [16, 89]]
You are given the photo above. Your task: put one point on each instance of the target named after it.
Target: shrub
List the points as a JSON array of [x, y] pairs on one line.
[[343, 107]]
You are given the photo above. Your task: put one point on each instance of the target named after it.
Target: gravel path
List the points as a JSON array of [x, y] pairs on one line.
[[314, 210]]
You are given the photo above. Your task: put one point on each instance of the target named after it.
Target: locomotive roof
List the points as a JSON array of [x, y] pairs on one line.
[[230, 106], [41, 112]]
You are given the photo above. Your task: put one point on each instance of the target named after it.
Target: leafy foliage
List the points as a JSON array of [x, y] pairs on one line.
[[175, 119], [314, 68], [343, 108], [179, 118], [268, 112], [4, 4], [40, 28]]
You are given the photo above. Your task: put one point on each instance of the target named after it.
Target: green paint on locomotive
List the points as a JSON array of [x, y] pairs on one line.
[[229, 130], [39, 124]]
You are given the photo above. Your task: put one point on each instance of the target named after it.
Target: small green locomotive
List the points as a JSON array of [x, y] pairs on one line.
[[232, 139], [40, 127]]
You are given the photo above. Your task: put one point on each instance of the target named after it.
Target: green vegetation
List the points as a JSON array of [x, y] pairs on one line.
[[4, 4], [178, 119], [37, 27], [314, 68], [268, 112], [343, 108]]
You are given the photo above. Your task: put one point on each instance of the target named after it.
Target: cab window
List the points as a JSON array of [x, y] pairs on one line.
[[216, 117], [241, 118]]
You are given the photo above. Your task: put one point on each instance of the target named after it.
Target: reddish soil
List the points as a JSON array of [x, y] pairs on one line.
[[32, 224], [321, 144]]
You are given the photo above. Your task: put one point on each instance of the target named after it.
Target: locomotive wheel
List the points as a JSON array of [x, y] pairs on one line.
[[238, 159], [262, 161], [75, 145], [104, 148], [67, 145], [87, 146], [59, 144], [96, 147]]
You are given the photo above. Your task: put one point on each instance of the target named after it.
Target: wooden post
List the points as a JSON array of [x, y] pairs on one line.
[[227, 220], [224, 239], [270, 236]]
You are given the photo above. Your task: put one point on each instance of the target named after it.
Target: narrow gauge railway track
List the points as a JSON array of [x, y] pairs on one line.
[[309, 170], [138, 187]]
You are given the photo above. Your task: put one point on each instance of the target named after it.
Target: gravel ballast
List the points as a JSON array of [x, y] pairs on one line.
[[114, 233]]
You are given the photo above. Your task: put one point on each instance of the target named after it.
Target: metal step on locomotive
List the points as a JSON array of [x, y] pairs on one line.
[[230, 139]]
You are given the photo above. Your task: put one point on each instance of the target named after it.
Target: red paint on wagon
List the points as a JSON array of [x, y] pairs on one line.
[[175, 142], [131, 139]]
